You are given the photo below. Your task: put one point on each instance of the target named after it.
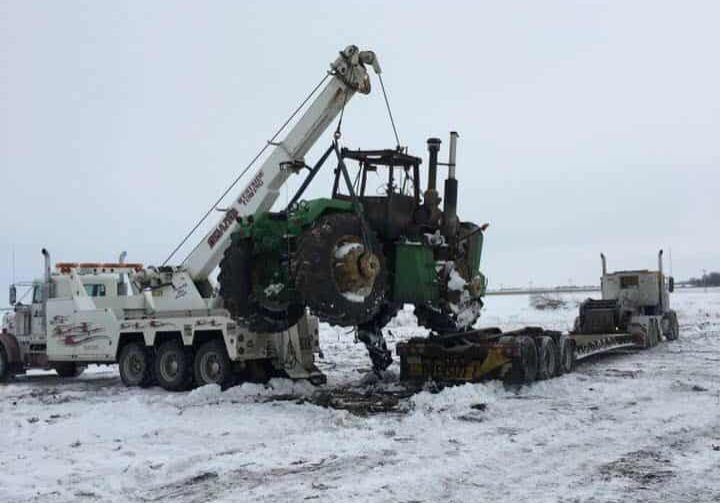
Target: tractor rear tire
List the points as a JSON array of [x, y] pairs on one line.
[[566, 355], [525, 365], [136, 365], [317, 282], [212, 365], [173, 366], [68, 369], [236, 290], [547, 357]]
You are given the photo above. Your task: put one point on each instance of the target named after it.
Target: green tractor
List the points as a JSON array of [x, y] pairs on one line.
[[355, 258]]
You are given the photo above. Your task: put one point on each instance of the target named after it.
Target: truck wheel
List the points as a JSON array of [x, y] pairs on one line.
[[566, 355], [68, 369], [135, 364], [212, 365], [5, 373], [652, 335], [173, 366], [524, 365], [671, 328], [547, 357]]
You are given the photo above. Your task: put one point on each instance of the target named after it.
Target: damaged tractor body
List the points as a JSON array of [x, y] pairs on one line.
[[356, 257]]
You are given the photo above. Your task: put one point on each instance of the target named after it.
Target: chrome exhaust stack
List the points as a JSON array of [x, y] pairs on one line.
[[450, 220]]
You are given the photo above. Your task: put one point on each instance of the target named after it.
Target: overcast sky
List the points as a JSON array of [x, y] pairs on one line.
[[585, 126]]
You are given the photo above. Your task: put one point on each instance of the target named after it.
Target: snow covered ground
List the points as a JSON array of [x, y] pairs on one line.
[[628, 427]]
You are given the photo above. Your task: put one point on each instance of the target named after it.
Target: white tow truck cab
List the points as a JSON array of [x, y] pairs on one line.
[[85, 313]]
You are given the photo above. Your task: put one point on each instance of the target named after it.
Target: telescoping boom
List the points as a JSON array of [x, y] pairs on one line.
[[347, 76]]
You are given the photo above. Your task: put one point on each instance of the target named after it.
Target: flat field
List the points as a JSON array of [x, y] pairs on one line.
[[632, 426]]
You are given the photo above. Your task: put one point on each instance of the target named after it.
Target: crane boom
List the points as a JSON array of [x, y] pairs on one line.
[[348, 76]]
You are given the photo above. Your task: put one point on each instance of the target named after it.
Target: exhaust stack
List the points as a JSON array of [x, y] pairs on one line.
[[661, 279], [122, 285], [450, 220], [47, 275], [604, 264], [431, 198]]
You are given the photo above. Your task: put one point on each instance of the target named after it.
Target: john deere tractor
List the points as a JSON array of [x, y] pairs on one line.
[[356, 257]]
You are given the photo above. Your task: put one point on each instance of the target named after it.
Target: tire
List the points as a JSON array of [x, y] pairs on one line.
[[236, 290], [5, 374], [566, 355], [547, 357], [671, 330], [173, 366], [525, 365], [136, 365], [212, 365], [653, 334], [318, 272], [68, 369]]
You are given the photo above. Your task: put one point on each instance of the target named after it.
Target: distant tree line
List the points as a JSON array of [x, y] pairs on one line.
[[710, 279]]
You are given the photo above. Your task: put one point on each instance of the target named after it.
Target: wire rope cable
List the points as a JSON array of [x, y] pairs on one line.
[[390, 114], [245, 170]]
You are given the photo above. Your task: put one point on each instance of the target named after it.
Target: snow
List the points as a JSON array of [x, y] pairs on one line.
[[456, 282], [273, 289], [346, 248], [634, 426]]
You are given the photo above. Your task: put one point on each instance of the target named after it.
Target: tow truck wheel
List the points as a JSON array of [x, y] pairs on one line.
[[173, 366], [135, 364], [68, 369], [525, 364], [566, 355], [212, 365], [5, 374], [547, 357]]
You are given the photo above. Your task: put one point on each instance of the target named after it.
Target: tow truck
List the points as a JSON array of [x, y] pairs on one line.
[[167, 324]]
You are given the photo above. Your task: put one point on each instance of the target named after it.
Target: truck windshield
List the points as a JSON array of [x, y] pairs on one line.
[[95, 290], [37, 294]]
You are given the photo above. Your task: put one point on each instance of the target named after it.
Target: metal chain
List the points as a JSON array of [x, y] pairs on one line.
[[252, 162]]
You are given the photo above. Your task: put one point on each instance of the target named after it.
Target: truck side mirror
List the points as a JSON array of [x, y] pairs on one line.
[[671, 284], [13, 295]]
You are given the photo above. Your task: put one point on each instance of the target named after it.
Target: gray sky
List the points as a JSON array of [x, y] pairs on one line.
[[585, 126]]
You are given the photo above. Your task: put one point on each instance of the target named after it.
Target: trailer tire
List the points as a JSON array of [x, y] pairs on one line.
[[173, 366], [547, 357], [525, 365], [5, 374], [566, 355], [136, 366], [212, 365], [68, 369]]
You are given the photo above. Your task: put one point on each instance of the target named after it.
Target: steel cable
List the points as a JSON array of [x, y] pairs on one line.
[[252, 162]]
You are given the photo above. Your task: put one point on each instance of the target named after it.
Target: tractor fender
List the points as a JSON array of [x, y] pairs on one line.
[[12, 348]]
